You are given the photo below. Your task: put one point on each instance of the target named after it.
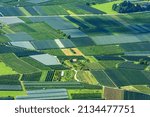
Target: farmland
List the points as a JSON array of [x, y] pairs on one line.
[[5, 70], [73, 49], [107, 7], [17, 64]]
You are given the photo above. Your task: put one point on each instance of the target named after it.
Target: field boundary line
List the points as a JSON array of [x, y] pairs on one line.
[[109, 78]]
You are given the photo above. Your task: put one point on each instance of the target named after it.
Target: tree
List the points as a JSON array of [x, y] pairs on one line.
[[141, 61], [1, 25], [114, 7], [69, 36], [79, 28], [93, 3], [148, 7], [88, 4], [127, 7]]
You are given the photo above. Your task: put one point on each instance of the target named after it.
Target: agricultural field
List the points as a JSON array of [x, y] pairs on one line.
[[73, 49], [4, 70], [86, 76], [107, 7]]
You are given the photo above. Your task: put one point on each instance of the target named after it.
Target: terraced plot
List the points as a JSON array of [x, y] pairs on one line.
[[124, 77], [103, 78], [42, 31], [35, 63], [20, 36], [55, 94], [5, 70], [74, 33], [136, 58], [118, 39], [3, 39], [72, 52], [64, 43], [23, 44], [108, 57], [55, 52], [17, 51], [140, 28], [10, 83], [34, 76], [54, 22], [90, 9], [107, 7], [143, 46], [101, 50], [44, 44], [94, 66], [16, 64], [55, 10], [49, 76], [58, 85], [83, 41], [130, 65], [31, 10], [10, 11], [21, 27], [86, 77], [138, 53], [10, 87], [37, 1], [10, 20], [46, 59]]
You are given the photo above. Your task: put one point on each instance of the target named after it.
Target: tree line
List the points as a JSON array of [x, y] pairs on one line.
[[128, 7]]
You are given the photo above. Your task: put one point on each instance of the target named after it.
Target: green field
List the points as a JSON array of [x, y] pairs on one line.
[[136, 18], [38, 31], [35, 63], [17, 64], [44, 31], [5, 70], [107, 7], [94, 66], [101, 50], [68, 75], [110, 63], [12, 93], [143, 89], [86, 93], [54, 10], [21, 27], [56, 52], [86, 77], [43, 76], [3, 39]]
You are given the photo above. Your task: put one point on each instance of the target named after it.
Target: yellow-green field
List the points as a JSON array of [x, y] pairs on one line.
[[12, 93], [107, 7], [4, 70]]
